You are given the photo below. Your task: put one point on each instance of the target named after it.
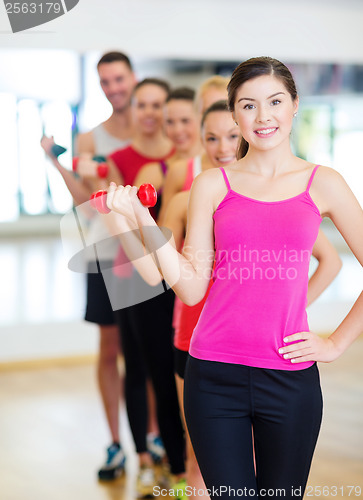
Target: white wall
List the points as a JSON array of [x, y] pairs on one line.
[[299, 31]]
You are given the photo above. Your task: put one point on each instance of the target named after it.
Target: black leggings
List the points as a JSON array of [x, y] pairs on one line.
[[146, 337], [230, 408]]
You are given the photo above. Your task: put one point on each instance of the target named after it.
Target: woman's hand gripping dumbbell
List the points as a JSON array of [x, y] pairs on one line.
[[146, 194]]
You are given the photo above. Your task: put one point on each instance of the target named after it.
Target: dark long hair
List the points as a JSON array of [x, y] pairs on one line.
[[252, 68]]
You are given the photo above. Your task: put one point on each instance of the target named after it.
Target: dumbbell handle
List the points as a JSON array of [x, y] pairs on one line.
[[102, 167], [57, 150], [146, 194]]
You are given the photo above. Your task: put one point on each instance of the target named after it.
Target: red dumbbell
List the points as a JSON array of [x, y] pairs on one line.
[[146, 194], [102, 167], [98, 201]]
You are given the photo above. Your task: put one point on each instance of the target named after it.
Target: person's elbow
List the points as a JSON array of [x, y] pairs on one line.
[[191, 297], [154, 279], [191, 300], [152, 276]]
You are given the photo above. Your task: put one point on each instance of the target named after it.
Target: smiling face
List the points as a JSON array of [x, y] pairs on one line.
[[220, 138], [117, 82], [148, 105], [264, 111], [181, 124]]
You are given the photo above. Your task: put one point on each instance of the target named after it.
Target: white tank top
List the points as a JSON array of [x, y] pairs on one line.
[[105, 143], [197, 166]]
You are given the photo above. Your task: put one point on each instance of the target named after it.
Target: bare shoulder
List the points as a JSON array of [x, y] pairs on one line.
[[328, 180], [150, 167], [177, 169], [175, 178], [179, 201], [331, 192], [327, 172], [85, 143], [177, 207], [213, 178], [209, 187], [150, 173]]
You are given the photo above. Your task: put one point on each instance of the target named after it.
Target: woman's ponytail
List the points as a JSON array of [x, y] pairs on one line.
[[242, 148]]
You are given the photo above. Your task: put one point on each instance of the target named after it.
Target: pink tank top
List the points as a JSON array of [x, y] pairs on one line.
[[259, 294]]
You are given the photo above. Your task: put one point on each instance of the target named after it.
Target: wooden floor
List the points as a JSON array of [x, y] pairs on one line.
[[53, 435]]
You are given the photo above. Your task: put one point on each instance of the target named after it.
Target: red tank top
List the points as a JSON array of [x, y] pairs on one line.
[[129, 162], [186, 317]]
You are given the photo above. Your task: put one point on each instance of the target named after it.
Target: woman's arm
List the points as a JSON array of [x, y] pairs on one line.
[[150, 173], [344, 210], [87, 169], [176, 217], [188, 274], [127, 231], [335, 199], [131, 238], [173, 183], [328, 267]]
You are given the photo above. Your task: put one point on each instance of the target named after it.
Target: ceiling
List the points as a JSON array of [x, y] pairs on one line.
[[301, 31]]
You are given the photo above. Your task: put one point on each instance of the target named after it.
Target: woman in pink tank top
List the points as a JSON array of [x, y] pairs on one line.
[[253, 358], [220, 137]]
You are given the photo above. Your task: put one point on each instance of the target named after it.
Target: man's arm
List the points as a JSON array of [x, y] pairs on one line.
[[85, 144], [80, 193]]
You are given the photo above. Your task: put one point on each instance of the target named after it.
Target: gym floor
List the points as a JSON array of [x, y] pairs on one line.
[[52, 434]]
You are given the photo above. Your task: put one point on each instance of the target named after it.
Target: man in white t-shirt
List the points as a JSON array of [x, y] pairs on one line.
[[117, 81]]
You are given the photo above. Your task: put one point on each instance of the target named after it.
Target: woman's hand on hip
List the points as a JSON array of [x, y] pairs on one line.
[[308, 346]]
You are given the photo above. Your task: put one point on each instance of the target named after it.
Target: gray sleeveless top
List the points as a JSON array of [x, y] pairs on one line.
[[106, 143]]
